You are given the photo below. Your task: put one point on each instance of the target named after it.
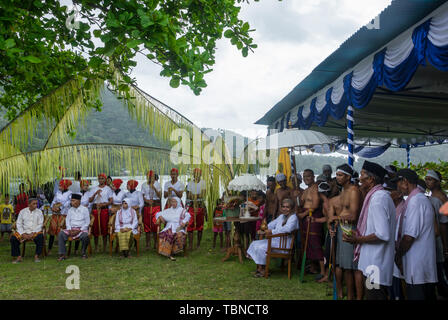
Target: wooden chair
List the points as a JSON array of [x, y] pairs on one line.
[[113, 234], [283, 251]]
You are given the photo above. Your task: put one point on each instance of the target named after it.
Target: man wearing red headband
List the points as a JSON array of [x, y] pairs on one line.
[[118, 195], [195, 199], [152, 193], [174, 188], [59, 208], [101, 197], [137, 202]]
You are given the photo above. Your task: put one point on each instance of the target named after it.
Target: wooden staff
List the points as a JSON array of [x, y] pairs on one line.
[[302, 270]]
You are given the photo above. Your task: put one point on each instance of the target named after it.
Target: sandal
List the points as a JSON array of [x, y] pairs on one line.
[[62, 258], [172, 258]]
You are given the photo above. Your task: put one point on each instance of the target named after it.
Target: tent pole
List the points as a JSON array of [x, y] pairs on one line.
[[408, 155], [350, 136]]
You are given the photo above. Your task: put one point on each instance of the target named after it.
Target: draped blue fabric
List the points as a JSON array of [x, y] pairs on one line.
[[394, 79]]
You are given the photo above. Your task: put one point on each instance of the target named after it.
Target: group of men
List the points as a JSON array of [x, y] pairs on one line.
[[104, 209], [386, 238]]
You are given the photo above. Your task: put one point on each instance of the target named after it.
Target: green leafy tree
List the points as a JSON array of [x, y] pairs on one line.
[[44, 44]]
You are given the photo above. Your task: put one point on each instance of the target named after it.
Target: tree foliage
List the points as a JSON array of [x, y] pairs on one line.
[[43, 44]]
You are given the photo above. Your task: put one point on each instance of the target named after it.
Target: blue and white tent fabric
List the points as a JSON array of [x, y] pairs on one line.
[[392, 68]]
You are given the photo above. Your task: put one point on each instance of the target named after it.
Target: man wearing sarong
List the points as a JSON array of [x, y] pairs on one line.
[[271, 200], [286, 222], [350, 205], [311, 213], [126, 225], [172, 237], [415, 255], [59, 208], [29, 226], [136, 199], [374, 238], [152, 194], [77, 227], [20, 200], [101, 197], [174, 188], [281, 193], [196, 191]]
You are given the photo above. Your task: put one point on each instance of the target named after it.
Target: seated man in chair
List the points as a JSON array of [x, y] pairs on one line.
[[29, 226], [126, 225], [77, 223], [286, 222], [172, 237]]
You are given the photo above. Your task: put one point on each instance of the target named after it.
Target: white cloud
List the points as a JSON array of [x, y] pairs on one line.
[[293, 37]]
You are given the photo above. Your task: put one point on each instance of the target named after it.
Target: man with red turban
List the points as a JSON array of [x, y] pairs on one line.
[[101, 197], [59, 208], [118, 195], [136, 199], [152, 193], [174, 188], [196, 206]]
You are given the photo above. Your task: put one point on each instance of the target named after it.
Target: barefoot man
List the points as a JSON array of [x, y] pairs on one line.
[[284, 192], [271, 200], [350, 206], [312, 203]]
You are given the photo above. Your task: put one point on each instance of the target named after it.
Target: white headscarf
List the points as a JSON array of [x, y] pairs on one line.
[[128, 210]]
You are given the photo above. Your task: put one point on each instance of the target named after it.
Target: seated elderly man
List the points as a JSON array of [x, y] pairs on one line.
[[28, 227], [286, 222], [172, 238], [77, 224], [126, 224]]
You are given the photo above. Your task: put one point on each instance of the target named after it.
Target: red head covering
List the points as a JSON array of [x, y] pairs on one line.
[[84, 183], [197, 170], [174, 170], [64, 184], [132, 184], [150, 173], [117, 183], [102, 175]]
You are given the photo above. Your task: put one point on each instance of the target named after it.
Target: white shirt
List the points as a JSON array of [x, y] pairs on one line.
[[63, 198], [149, 193], [104, 196], [85, 199], [29, 222], [78, 218], [419, 263], [129, 219], [118, 198], [172, 217], [178, 186], [136, 199], [381, 222], [196, 187], [75, 187]]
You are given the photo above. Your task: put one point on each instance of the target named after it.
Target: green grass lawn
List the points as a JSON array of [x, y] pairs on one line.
[[200, 275]]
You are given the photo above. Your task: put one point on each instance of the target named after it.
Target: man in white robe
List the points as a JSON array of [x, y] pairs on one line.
[[286, 222], [416, 253], [174, 188]]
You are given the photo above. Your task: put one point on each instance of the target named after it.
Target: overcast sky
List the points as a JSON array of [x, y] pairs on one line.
[[293, 37]]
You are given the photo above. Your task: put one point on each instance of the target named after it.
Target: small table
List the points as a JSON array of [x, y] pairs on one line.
[[236, 247]]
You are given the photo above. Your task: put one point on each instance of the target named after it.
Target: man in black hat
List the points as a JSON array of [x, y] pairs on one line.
[[77, 223], [374, 237], [415, 256]]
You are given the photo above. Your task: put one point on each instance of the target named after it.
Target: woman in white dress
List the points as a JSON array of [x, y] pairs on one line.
[[172, 237], [286, 222], [126, 225]]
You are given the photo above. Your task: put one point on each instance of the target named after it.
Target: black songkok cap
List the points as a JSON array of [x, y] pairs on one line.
[[76, 196], [374, 168]]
